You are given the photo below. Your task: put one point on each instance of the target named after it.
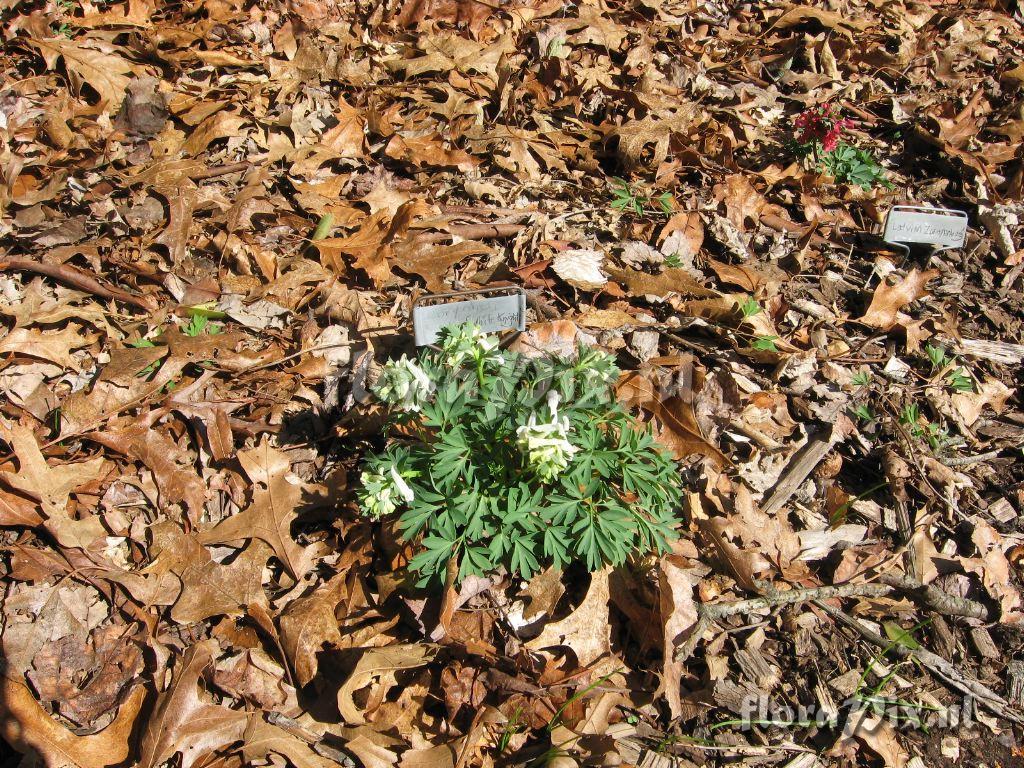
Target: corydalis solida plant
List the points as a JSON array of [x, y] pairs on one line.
[[820, 125], [817, 132], [494, 460]]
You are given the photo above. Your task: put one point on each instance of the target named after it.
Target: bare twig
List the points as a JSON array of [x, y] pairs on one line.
[[933, 598], [960, 461], [928, 596], [474, 232], [712, 612], [76, 278], [221, 170], [935, 664]]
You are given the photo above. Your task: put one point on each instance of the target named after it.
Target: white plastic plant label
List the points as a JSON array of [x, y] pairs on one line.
[[941, 227], [502, 311]]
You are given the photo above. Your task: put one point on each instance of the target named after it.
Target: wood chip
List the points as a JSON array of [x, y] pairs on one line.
[[996, 351]]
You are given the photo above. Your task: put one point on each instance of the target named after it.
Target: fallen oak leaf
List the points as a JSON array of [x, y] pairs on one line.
[[104, 71], [884, 310], [428, 152], [26, 726], [798, 14], [380, 662], [991, 392], [54, 346], [369, 750], [878, 736], [209, 588], [255, 677], [679, 429], [172, 472], [183, 722], [308, 624], [668, 281], [609, 319], [585, 631], [52, 487], [17, 510], [371, 245], [271, 512], [261, 740], [432, 261]]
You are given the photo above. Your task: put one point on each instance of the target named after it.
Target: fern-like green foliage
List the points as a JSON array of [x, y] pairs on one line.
[[495, 460]]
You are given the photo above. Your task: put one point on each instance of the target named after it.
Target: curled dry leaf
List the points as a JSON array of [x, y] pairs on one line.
[[184, 721], [585, 631], [888, 301], [26, 727], [261, 740], [381, 663], [676, 580], [100, 67]]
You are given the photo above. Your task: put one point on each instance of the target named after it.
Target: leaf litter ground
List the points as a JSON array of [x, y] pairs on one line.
[[214, 219]]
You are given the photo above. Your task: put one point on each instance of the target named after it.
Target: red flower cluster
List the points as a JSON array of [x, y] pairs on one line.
[[820, 124]]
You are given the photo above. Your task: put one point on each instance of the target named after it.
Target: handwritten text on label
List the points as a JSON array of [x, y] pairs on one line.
[[938, 226], [495, 313]]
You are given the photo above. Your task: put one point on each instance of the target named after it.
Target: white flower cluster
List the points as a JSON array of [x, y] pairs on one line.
[[382, 492], [404, 385], [547, 444], [468, 342]]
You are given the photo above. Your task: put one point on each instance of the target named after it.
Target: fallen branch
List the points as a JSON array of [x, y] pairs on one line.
[[927, 596], [709, 613], [474, 232], [931, 597], [76, 278], [220, 170], [935, 664]]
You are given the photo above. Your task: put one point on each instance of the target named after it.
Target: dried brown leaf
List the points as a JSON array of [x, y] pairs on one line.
[[184, 721], [273, 508], [381, 663], [889, 300], [25, 725], [308, 624], [586, 630]]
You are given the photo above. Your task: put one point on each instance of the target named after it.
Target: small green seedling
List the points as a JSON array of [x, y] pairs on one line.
[[673, 261], [861, 378], [863, 413], [937, 356], [960, 381], [750, 307], [936, 437], [765, 344], [957, 379], [199, 323], [512, 727], [628, 198], [852, 165]]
